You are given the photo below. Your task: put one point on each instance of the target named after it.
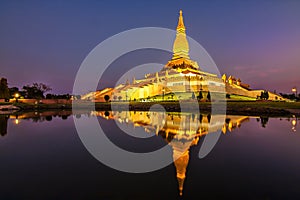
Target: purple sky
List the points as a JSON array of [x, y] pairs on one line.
[[257, 41]]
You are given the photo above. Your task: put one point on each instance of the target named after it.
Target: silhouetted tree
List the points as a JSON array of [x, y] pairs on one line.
[[264, 121], [3, 124], [13, 91], [264, 95], [208, 118], [64, 117], [200, 118], [36, 90], [48, 118], [119, 97], [106, 113], [4, 91], [227, 120], [58, 96], [208, 96], [200, 96], [106, 98]]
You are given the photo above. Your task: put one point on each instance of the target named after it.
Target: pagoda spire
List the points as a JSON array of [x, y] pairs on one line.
[[181, 164], [181, 45], [180, 22]]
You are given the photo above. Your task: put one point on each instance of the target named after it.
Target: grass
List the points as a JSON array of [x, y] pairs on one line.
[[241, 98]]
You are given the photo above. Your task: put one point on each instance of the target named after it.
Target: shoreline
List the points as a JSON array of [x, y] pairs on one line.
[[271, 109]]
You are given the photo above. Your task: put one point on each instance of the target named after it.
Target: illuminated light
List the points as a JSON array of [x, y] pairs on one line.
[[17, 121], [230, 126], [294, 122], [17, 95]]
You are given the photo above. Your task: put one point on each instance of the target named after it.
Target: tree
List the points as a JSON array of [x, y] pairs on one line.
[[36, 90], [13, 91], [208, 96], [264, 95], [119, 97], [4, 91], [264, 121], [200, 96], [3, 124], [106, 98]]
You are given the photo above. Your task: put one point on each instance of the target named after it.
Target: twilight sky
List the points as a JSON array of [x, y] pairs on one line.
[[46, 41]]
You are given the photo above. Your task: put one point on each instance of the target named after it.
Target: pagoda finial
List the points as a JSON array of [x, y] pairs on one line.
[[181, 45], [180, 21]]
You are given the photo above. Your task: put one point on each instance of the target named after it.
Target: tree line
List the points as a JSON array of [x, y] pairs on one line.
[[33, 91]]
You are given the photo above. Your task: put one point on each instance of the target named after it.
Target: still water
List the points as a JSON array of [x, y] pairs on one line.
[[42, 157]]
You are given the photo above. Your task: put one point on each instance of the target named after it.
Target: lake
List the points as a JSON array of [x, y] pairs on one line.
[[43, 156]]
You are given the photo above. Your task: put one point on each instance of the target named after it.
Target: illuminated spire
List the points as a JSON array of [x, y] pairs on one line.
[[181, 165], [181, 45], [180, 21]]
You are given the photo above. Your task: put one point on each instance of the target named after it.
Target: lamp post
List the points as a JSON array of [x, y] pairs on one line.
[[163, 90], [17, 95], [294, 89]]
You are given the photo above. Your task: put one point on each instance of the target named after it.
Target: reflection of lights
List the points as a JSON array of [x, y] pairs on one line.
[[230, 125], [294, 122], [17, 121]]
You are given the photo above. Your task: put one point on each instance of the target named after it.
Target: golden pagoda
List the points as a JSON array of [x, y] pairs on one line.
[[181, 45], [181, 78], [181, 49]]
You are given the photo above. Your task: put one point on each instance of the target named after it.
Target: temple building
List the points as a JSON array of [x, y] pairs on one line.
[[180, 79]]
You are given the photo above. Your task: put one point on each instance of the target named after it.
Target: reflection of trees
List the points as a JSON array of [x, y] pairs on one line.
[[106, 113], [264, 121], [43, 116], [3, 124], [64, 117], [48, 118]]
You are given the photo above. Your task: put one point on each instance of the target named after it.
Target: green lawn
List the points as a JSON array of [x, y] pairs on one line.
[[241, 98]]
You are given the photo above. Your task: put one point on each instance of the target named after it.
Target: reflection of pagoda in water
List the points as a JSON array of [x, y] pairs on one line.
[[179, 130]]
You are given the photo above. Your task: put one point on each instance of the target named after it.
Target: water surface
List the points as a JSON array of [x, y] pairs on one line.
[[42, 157]]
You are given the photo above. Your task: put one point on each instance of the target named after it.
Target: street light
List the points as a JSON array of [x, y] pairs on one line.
[[294, 89], [17, 95]]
